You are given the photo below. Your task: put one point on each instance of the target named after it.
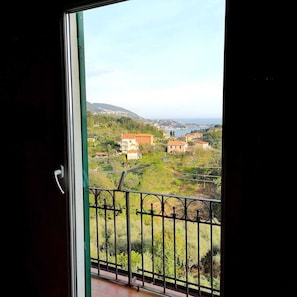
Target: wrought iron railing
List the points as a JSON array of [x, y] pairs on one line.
[[163, 243]]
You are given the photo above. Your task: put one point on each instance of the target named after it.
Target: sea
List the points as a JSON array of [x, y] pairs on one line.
[[199, 124]]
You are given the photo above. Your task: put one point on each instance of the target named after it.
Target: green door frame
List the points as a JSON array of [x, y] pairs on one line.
[[82, 80]]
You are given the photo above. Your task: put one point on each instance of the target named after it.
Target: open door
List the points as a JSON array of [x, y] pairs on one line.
[[76, 104], [77, 152]]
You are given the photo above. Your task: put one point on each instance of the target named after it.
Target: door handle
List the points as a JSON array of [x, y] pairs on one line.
[[59, 173]]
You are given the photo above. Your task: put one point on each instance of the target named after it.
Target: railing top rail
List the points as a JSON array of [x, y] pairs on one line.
[[157, 194]]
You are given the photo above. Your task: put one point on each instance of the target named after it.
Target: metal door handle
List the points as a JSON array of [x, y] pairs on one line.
[[59, 173]]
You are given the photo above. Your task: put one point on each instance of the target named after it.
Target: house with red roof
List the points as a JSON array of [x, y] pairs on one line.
[[176, 146], [130, 144]]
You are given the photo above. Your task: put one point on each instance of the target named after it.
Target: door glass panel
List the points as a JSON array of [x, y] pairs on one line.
[[154, 109]]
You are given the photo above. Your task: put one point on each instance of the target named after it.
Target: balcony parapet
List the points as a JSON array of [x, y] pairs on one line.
[[159, 242]]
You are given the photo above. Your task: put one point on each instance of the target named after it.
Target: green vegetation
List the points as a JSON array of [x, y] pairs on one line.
[[196, 173]]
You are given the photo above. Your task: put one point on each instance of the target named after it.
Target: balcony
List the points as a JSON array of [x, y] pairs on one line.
[[166, 244]]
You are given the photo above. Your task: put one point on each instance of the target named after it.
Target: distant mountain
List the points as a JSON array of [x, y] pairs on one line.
[[110, 110]]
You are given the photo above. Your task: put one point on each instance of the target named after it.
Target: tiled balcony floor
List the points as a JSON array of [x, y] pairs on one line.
[[106, 288]]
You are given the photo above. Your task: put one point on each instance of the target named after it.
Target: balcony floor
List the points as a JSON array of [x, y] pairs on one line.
[[106, 288]]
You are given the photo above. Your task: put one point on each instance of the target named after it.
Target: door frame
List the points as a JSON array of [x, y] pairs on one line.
[[77, 155]]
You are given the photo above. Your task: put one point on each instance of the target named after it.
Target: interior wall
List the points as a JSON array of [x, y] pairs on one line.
[[260, 82]]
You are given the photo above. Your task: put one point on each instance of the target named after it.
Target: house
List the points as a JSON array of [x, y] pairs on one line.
[[133, 154], [202, 144], [194, 135], [176, 146], [128, 142], [191, 136], [184, 138], [143, 138], [40, 229], [101, 155], [140, 138]]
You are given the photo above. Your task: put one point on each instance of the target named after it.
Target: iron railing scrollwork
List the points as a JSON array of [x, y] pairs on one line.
[[168, 243]]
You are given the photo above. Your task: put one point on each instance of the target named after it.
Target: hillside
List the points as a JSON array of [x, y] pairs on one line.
[[109, 109]]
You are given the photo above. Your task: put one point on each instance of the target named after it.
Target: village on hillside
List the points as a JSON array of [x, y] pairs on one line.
[[130, 144]]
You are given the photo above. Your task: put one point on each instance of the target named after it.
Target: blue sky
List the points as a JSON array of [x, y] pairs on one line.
[[157, 58]]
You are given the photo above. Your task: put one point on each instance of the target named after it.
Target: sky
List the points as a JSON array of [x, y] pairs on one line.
[[161, 59]]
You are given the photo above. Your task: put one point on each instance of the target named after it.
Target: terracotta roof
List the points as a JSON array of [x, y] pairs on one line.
[[176, 142], [133, 151], [128, 136]]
